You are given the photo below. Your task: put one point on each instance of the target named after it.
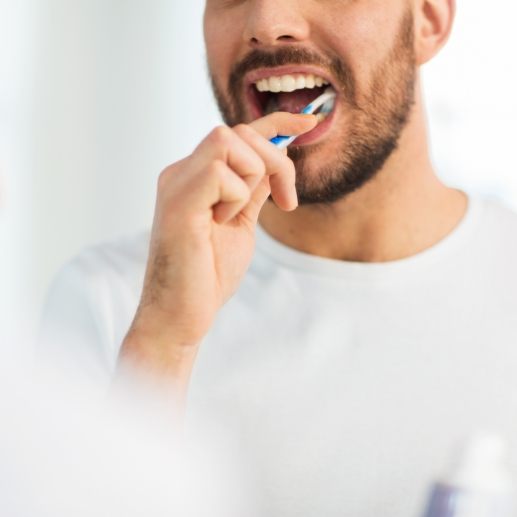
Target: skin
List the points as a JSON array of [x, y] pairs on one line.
[[210, 202]]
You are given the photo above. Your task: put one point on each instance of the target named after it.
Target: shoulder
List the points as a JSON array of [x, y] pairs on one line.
[[112, 269], [498, 222], [92, 300], [493, 247], [498, 212], [104, 278], [124, 259]]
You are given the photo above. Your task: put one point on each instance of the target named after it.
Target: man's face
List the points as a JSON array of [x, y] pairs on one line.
[[362, 48]]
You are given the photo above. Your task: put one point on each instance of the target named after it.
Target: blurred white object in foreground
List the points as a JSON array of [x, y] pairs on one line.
[[65, 452]]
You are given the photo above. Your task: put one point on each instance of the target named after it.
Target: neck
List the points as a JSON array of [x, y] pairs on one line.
[[402, 211]]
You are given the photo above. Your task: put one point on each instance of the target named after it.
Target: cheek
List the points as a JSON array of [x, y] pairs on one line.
[[363, 35], [222, 43]]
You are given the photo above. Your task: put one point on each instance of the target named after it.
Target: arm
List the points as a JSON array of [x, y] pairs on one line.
[[202, 242]]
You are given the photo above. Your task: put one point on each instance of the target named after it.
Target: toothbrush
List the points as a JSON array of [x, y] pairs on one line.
[[325, 101]]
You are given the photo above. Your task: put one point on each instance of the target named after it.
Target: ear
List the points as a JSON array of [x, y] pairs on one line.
[[433, 25]]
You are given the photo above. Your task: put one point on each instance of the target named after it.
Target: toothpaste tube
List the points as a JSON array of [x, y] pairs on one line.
[[478, 485]]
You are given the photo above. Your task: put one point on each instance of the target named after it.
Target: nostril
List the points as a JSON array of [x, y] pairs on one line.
[[256, 41]]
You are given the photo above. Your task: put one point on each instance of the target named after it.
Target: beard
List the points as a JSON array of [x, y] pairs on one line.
[[375, 119]]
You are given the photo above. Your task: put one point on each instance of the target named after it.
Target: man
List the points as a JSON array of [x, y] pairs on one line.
[[373, 324]]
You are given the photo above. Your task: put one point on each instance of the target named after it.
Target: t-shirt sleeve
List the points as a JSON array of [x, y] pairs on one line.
[[75, 333]]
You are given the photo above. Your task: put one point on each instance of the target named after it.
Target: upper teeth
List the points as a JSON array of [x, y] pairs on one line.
[[289, 83]]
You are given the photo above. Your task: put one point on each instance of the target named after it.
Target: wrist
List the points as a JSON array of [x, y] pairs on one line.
[[155, 347]]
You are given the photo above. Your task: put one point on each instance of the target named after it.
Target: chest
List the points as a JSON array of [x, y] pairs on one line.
[[346, 404]]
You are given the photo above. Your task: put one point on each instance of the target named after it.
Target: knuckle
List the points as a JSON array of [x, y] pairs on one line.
[[217, 170], [220, 136], [244, 129], [163, 178]]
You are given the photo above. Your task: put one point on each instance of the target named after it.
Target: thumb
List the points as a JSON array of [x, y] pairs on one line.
[[283, 123]]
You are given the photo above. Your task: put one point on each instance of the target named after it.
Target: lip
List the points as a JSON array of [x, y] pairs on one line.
[[262, 73], [319, 131], [256, 110]]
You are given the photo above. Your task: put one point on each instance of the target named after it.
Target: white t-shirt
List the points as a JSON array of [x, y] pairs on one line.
[[343, 386]]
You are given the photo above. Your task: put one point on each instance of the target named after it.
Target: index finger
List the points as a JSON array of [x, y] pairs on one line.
[[284, 123]]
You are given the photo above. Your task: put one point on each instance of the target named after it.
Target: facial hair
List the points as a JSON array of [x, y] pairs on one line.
[[374, 124]]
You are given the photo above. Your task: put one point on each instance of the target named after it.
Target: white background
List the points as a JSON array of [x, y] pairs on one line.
[[97, 96]]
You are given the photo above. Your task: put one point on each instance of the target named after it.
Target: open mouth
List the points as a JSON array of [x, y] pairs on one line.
[[289, 93]]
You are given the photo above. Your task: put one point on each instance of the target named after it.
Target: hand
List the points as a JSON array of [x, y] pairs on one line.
[[202, 239]]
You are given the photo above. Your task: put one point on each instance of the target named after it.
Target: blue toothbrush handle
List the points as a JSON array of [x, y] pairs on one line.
[[279, 139], [282, 141]]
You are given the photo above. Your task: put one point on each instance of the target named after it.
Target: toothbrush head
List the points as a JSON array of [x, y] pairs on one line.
[[328, 106], [327, 98]]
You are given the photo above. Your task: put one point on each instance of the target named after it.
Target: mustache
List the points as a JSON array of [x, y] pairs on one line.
[[288, 55]]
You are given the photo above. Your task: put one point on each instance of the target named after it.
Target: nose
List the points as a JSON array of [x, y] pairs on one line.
[[275, 22]]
